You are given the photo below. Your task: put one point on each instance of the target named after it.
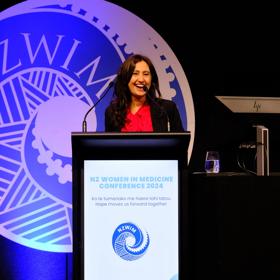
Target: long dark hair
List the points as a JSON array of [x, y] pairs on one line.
[[122, 95]]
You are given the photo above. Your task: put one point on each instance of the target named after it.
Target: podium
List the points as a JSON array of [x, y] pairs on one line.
[[130, 205]]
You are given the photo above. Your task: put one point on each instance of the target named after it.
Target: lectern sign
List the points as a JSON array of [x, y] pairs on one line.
[[131, 219]]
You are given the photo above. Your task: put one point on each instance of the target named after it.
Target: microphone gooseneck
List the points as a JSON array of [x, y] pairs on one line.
[[84, 126]]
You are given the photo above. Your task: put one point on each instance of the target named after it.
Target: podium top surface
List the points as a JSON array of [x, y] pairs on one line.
[[132, 139], [130, 145], [251, 104], [129, 134], [128, 138]]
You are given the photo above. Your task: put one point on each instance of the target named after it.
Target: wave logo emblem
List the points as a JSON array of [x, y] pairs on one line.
[[130, 242]]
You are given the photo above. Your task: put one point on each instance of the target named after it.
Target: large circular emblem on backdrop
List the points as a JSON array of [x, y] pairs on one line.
[[56, 60]]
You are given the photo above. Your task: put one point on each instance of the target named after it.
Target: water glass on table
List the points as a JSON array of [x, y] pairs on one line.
[[212, 162]]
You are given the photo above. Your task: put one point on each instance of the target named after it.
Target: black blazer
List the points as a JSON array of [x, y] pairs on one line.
[[162, 112]]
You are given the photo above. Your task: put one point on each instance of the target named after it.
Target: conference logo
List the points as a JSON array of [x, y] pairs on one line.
[[130, 242], [57, 58]]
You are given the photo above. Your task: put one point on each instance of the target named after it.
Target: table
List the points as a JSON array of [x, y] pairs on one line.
[[234, 226]]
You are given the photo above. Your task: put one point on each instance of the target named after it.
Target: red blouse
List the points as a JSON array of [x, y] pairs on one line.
[[141, 121]]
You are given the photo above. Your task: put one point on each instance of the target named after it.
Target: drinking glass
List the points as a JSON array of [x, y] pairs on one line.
[[212, 162]]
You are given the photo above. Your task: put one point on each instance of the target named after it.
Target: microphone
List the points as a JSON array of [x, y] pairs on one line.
[[145, 88], [95, 104]]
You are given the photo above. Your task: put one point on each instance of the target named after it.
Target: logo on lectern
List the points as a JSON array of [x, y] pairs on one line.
[[130, 242]]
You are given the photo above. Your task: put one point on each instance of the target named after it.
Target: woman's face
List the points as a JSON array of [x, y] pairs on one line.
[[140, 80]]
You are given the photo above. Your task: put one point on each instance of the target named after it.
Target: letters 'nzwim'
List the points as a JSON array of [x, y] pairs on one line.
[[54, 56]]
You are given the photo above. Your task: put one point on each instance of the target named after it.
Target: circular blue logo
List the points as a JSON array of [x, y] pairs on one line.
[[130, 242], [56, 60]]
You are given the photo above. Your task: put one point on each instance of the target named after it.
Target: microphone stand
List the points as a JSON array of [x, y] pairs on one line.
[[94, 105]]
